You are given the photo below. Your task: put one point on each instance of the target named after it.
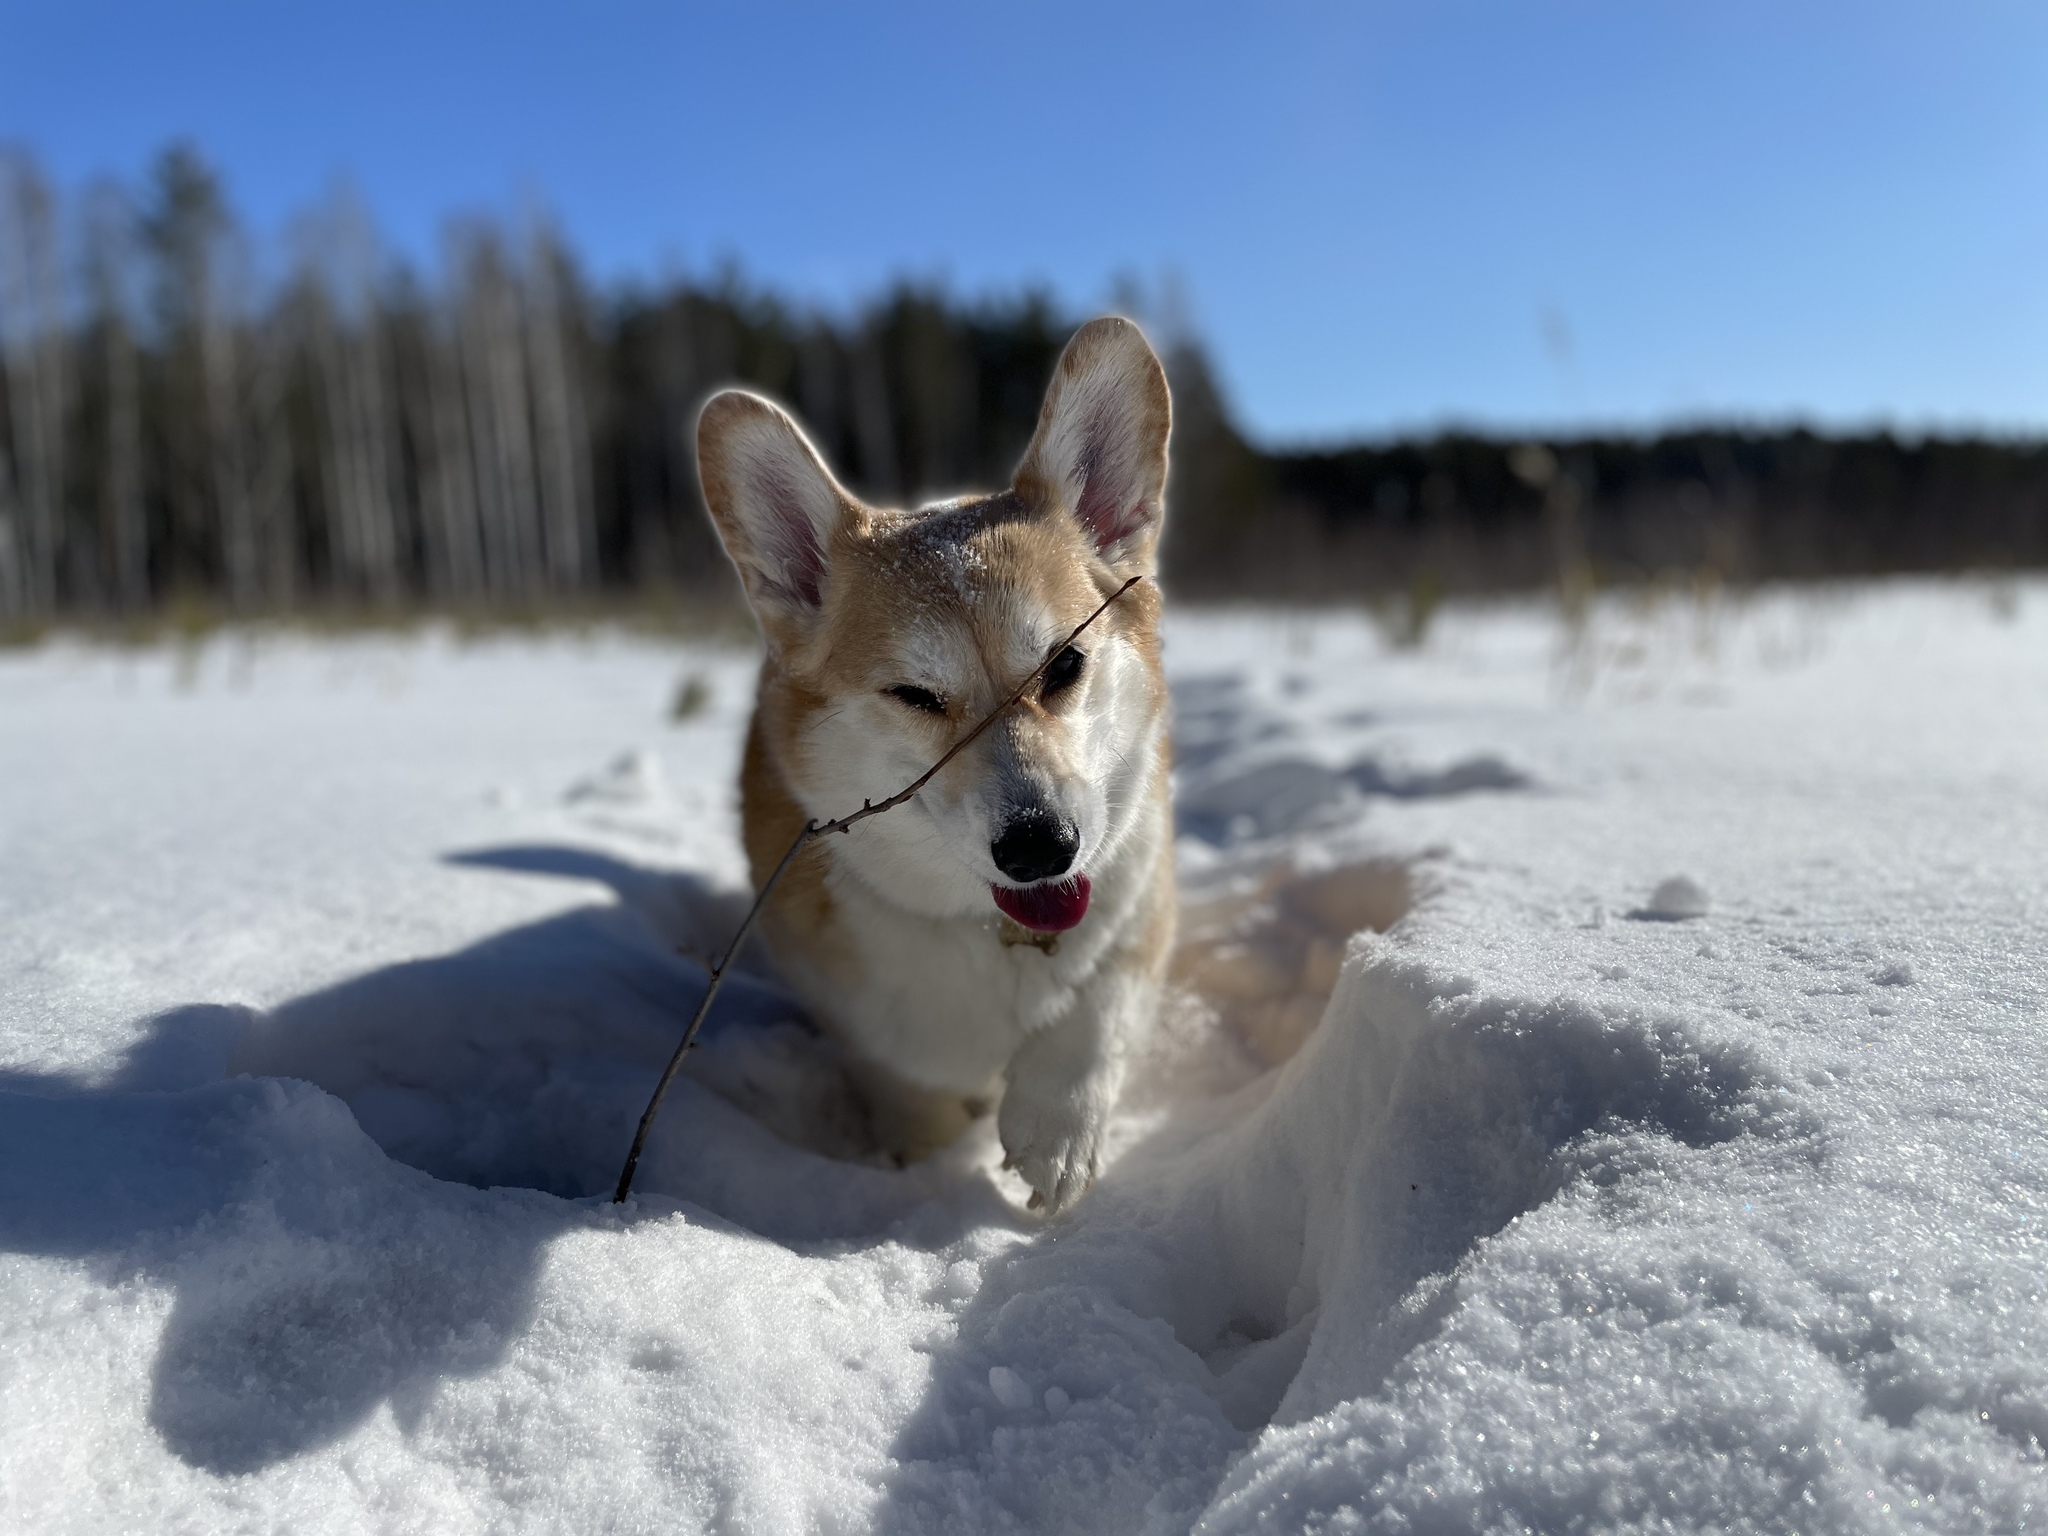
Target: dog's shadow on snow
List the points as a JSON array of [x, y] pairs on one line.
[[311, 1279], [331, 1257]]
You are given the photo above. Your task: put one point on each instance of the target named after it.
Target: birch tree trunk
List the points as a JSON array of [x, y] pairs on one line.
[[358, 454], [561, 434], [498, 414], [335, 298]]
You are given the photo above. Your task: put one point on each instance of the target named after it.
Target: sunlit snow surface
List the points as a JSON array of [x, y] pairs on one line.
[[1680, 1160]]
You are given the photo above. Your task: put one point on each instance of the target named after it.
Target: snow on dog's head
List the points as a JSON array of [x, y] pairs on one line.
[[891, 633]]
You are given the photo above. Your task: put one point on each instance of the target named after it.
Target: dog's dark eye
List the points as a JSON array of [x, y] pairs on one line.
[[918, 698], [1065, 671]]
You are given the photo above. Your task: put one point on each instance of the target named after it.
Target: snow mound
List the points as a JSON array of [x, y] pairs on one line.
[[633, 779], [1676, 899]]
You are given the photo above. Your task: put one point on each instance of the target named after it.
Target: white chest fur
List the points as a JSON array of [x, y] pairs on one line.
[[944, 1002]]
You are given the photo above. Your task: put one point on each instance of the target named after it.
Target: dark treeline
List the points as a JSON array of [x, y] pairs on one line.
[[178, 426], [1463, 513]]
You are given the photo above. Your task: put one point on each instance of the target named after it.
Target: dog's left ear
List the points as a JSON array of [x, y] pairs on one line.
[[1100, 448]]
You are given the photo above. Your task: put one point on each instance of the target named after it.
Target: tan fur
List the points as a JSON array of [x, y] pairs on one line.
[[963, 599]]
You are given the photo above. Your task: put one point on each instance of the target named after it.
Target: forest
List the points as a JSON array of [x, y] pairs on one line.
[[190, 423]]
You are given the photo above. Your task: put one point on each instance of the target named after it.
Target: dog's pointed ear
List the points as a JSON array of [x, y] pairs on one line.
[[1100, 448], [776, 505]]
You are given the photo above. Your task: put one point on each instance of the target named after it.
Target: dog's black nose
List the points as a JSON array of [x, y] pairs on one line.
[[1036, 846]]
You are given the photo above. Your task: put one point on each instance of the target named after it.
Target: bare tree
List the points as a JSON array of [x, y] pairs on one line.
[[454, 514], [33, 346], [229, 386], [496, 407], [108, 264], [196, 441], [340, 270], [433, 466], [560, 416]]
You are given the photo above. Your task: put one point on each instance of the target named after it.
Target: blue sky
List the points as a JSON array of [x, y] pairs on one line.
[[1381, 216]]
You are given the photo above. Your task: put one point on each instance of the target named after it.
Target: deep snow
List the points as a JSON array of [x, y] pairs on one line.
[[1678, 1160]]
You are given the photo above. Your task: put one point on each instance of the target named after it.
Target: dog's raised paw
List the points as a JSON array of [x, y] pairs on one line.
[[1053, 1149]]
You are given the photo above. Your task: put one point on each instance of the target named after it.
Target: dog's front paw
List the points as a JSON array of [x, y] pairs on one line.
[[1053, 1144]]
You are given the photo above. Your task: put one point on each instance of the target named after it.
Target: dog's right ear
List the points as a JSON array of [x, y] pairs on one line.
[[776, 506]]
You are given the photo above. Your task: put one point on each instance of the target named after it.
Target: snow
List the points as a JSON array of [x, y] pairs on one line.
[[334, 972], [1676, 899]]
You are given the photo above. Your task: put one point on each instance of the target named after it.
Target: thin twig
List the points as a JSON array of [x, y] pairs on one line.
[[810, 830], [717, 979]]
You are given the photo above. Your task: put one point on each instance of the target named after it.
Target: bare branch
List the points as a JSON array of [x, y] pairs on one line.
[[818, 829]]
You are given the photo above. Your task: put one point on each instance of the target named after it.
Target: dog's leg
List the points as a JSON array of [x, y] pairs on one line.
[[907, 1122], [1062, 1084]]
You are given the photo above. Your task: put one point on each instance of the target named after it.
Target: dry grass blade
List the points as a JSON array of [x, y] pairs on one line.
[[817, 829]]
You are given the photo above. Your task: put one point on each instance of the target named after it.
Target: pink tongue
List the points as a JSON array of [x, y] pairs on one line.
[[1051, 907]]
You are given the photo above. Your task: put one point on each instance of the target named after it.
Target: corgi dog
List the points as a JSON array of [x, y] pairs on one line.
[[1002, 937]]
